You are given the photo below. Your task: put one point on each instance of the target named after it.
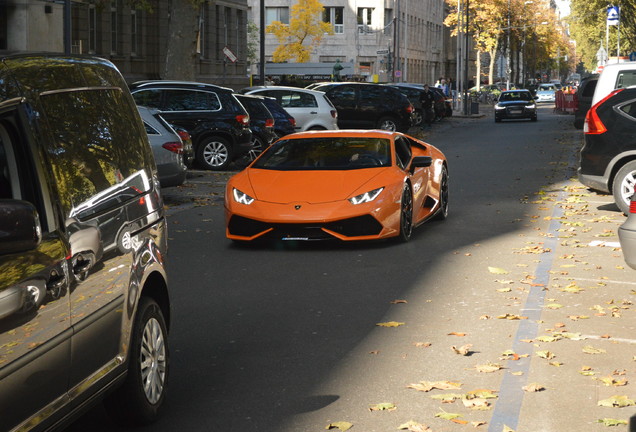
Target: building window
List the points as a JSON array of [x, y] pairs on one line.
[[202, 41], [135, 32], [364, 19], [114, 27], [388, 20], [92, 29], [334, 16], [276, 14], [240, 24]]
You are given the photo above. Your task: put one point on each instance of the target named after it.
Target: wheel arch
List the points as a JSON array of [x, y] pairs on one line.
[[213, 134], [616, 164], [156, 288]]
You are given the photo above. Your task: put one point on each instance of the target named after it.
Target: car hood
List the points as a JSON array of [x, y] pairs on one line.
[[313, 187]]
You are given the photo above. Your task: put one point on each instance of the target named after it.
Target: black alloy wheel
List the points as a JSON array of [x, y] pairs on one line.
[[442, 212], [406, 214]]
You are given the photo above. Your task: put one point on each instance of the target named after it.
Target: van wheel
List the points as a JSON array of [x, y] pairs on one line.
[[387, 123], [139, 399], [214, 153], [623, 186]]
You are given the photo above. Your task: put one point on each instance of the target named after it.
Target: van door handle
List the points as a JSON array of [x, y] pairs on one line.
[[313, 112]]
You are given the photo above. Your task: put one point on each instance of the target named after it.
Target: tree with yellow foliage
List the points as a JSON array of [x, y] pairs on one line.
[[303, 33]]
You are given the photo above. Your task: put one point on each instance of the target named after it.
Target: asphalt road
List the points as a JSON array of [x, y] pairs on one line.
[[285, 338]]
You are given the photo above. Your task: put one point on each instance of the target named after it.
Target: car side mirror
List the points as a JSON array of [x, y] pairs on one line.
[[20, 228]]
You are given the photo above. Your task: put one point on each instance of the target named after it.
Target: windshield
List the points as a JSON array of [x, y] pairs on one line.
[[326, 153], [546, 87], [515, 96]]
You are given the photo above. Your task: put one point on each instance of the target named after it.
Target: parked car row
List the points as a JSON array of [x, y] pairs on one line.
[[607, 159], [224, 126]]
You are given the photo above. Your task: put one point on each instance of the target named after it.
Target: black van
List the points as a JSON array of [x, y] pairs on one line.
[[84, 304]]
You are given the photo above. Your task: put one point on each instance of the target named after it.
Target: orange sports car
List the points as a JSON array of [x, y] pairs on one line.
[[341, 184]]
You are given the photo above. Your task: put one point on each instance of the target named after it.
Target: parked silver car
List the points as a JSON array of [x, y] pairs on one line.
[[166, 146], [311, 108]]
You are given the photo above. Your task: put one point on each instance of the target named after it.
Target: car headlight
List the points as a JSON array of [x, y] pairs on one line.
[[366, 197], [530, 106], [497, 107], [241, 197]]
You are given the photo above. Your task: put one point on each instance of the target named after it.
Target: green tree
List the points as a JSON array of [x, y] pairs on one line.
[[303, 33]]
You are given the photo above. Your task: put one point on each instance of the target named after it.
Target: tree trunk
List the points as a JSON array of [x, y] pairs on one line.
[[491, 65], [183, 30], [478, 73]]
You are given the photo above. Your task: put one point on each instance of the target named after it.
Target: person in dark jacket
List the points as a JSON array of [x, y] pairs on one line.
[[427, 99]]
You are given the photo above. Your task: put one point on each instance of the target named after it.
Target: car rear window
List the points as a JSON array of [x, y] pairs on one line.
[[191, 100], [625, 78]]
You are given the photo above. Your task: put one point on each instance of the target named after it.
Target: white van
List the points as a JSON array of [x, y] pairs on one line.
[[614, 76]]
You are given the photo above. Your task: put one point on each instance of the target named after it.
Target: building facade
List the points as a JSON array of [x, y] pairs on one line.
[[379, 40], [134, 39]]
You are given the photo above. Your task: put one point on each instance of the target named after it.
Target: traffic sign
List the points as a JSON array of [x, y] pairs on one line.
[[632, 56], [382, 52], [229, 54]]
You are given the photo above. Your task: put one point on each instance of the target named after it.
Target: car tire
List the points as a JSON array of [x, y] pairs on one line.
[[139, 399], [442, 212], [406, 214], [388, 123], [214, 153], [623, 186]]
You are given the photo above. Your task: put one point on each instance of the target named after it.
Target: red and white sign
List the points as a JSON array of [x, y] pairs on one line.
[[229, 54]]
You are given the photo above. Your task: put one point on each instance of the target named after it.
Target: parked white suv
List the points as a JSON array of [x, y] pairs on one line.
[[311, 108], [614, 76]]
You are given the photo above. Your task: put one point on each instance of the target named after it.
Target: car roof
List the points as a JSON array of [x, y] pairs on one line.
[[290, 88], [167, 83]]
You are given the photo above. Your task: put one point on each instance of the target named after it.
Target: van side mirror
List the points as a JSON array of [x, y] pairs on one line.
[[20, 228]]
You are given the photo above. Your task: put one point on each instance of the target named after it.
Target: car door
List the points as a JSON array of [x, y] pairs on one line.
[[345, 98], [35, 326], [101, 171]]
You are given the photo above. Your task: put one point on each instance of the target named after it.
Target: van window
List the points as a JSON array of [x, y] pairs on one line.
[[97, 143], [625, 78]]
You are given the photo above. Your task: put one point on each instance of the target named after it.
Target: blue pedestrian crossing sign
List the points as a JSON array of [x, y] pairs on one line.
[[612, 15], [632, 56]]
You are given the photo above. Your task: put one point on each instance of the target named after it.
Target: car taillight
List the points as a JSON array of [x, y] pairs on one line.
[[409, 109], [334, 113], [243, 119], [269, 122], [632, 206], [593, 124], [174, 147], [185, 136], [292, 121]]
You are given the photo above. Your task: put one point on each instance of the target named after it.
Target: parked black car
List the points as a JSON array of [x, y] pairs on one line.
[[261, 124], [607, 161], [214, 118], [370, 106], [284, 123], [515, 105], [584, 95], [84, 303]]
